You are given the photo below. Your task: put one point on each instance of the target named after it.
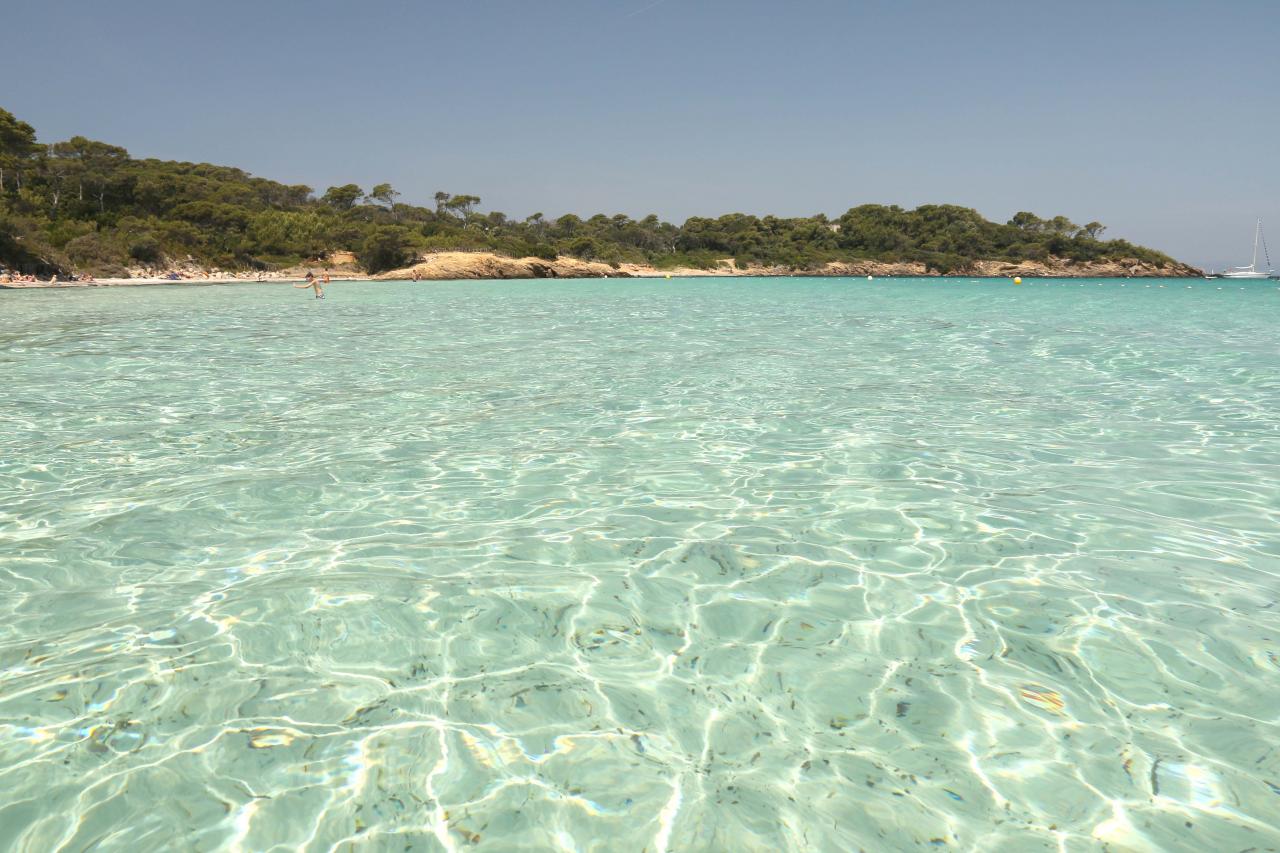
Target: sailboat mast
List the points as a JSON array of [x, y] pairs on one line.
[[1256, 234]]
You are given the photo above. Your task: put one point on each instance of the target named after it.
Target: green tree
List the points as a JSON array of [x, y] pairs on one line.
[[388, 247], [17, 144], [567, 226], [460, 205], [343, 197], [91, 165], [537, 225], [287, 233], [1027, 221], [1062, 225], [61, 169], [385, 194]]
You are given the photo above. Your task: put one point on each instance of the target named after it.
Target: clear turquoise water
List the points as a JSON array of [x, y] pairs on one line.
[[686, 565]]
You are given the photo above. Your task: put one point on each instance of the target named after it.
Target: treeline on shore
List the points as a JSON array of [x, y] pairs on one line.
[[88, 206]]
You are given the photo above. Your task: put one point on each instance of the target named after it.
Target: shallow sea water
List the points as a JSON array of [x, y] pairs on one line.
[[739, 565]]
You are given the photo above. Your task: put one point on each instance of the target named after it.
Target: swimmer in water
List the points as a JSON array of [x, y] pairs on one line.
[[313, 283]]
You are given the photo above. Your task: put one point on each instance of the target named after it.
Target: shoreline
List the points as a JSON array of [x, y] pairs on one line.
[[484, 266], [124, 282], [154, 281], [138, 282]]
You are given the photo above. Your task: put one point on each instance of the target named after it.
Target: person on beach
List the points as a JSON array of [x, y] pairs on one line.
[[313, 283]]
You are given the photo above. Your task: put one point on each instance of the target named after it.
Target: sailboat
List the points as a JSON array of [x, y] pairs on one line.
[[1252, 270]]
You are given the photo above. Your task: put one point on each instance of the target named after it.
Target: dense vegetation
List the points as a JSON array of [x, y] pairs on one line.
[[89, 206]]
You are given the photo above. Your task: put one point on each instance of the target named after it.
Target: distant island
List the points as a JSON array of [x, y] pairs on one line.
[[87, 207]]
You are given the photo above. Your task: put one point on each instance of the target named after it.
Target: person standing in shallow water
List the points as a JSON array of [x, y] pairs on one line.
[[313, 283]]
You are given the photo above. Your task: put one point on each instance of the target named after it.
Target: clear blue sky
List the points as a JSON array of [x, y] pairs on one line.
[[1155, 118]]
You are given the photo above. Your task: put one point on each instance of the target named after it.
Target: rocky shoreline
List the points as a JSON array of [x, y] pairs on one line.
[[482, 265], [453, 266]]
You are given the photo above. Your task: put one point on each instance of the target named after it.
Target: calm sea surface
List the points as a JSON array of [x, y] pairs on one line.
[[656, 565]]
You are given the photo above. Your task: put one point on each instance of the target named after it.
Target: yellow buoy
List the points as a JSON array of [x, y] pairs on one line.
[[668, 275], [1017, 280]]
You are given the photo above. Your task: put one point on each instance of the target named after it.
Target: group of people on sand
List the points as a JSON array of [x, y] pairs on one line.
[[315, 282], [7, 277]]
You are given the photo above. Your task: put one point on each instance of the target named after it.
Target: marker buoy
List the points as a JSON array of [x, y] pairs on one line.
[[1017, 280]]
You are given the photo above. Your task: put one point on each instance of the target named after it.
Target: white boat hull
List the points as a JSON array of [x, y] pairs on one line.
[[1251, 271]]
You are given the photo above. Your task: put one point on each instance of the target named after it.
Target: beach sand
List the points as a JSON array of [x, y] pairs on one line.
[[453, 266]]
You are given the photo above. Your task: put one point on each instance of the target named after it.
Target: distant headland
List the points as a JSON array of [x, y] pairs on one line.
[[86, 208]]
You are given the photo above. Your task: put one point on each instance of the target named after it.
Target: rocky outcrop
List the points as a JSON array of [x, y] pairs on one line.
[[460, 265], [1052, 268], [1064, 268], [484, 265]]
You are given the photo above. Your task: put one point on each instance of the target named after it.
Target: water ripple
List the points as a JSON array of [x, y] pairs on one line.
[[654, 566]]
